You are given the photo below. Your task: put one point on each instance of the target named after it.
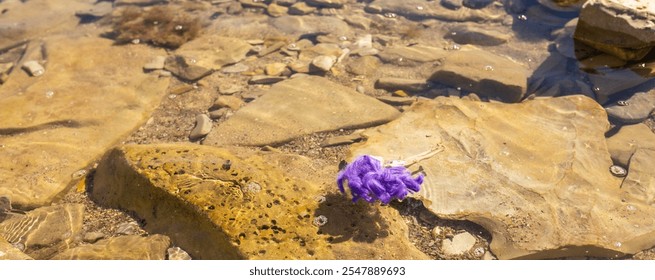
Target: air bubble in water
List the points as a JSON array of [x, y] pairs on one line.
[[49, 94], [420, 8], [390, 15], [523, 17], [489, 68], [617, 244], [178, 27]]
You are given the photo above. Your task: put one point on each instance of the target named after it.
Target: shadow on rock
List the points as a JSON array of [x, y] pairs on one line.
[[346, 220]]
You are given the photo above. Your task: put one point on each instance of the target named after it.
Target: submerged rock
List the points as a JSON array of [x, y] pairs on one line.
[[484, 73], [10, 252], [533, 174], [217, 205], [66, 118], [297, 107], [627, 141], [402, 55], [419, 10], [633, 110], [44, 231], [130, 247]]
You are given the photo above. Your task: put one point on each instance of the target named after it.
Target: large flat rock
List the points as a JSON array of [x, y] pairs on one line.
[[217, 205], [297, 107], [535, 174], [58, 123]]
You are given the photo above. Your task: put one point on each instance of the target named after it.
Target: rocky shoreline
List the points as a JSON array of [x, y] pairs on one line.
[[190, 129]]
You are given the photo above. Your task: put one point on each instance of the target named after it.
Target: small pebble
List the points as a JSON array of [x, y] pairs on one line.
[[92, 237], [128, 228], [33, 68], [157, 63], [203, 127], [618, 171], [324, 62]]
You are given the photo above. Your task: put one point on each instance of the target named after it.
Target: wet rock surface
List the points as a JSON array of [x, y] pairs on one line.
[[279, 115], [258, 206], [285, 89], [489, 163], [140, 248], [47, 141]]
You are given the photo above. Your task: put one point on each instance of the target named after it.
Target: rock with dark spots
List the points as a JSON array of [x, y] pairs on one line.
[[535, 174], [129, 247], [260, 206], [297, 107], [633, 110], [484, 73], [467, 34], [183, 68], [202, 128], [392, 84], [44, 231], [623, 28], [627, 141]]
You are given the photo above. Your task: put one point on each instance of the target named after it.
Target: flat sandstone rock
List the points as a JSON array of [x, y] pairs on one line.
[[297, 107], [535, 174], [57, 124]]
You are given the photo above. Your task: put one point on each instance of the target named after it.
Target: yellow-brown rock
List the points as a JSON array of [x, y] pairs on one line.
[[130, 247], [58, 123], [216, 205], [534, 174], [9, 252], [44, 231]]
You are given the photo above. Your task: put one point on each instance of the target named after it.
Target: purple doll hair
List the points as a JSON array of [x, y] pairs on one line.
[[369, 180]]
